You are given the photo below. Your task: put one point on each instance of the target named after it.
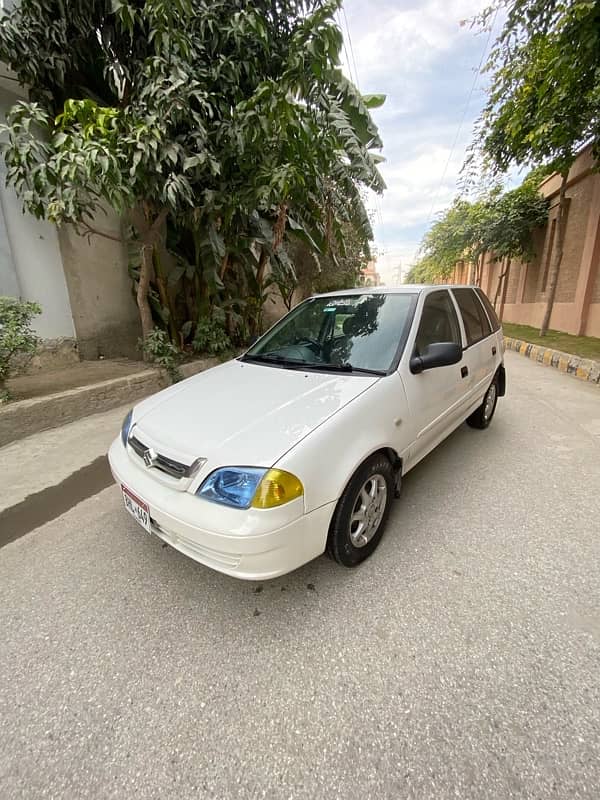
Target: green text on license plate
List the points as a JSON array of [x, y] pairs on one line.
[[137, 508]]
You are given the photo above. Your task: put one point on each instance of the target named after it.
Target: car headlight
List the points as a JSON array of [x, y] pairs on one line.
[[242, 487], [126, 427]]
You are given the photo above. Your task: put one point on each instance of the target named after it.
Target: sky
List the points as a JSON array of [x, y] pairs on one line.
[[426, 62]]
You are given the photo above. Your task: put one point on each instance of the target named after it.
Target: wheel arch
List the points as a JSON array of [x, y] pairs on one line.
[[392, 456]]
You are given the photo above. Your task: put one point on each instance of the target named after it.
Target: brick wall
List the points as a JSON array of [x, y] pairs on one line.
[[577, 302], [596, 288], [580, 197], [513, 282]]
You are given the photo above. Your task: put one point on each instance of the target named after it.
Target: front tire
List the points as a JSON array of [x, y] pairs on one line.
[[482, 416], [361, 514]]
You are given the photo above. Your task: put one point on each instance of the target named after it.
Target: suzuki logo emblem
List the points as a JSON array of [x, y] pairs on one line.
[[150, 457]]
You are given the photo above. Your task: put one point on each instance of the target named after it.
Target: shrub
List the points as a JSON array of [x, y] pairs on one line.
[[17, 340], [160, 350], [211, 337]]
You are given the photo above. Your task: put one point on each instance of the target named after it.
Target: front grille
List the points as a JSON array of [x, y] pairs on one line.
[[167, 465]]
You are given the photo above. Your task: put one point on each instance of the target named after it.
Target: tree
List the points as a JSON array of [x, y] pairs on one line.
[[455, 236], [500, 223], [423, 271], [544, 97], [509, 223], [220, 127]]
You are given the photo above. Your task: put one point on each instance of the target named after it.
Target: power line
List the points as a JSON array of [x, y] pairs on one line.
[[353, 78], [353, 67], [351, 47], [464, 116]]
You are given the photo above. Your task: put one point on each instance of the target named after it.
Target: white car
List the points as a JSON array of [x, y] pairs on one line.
[[297, 447]]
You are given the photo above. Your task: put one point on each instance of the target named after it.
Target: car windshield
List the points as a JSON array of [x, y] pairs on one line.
[[359, 332]]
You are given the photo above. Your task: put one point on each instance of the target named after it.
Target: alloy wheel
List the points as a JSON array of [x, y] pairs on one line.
[[368, 510]]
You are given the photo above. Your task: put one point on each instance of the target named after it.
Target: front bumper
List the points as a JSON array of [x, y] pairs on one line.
[[252, 544]]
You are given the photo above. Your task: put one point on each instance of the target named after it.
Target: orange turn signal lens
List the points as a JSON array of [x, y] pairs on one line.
[[276, 488]]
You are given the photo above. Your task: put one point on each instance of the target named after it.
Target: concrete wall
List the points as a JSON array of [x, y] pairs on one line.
[[30, 261], [577, 304], [274, 308], [104, 310], [81, 284]]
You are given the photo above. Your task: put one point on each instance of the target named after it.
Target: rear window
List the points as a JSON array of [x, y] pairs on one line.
[[477, 325], [490, 309]]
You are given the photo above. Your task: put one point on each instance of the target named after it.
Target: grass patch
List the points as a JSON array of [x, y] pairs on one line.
[[584, 346]]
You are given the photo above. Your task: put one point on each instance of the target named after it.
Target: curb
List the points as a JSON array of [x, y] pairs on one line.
[[25, 417], [583, 368]]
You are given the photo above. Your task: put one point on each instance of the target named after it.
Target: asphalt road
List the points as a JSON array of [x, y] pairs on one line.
[[461, 661]]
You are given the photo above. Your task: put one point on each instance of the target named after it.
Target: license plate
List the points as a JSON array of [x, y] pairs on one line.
[[137, 508]]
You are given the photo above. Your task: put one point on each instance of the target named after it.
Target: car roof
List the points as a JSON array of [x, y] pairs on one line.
[[406, 288]]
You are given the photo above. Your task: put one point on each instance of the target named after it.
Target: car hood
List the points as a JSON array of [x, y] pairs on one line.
[[241, 413]]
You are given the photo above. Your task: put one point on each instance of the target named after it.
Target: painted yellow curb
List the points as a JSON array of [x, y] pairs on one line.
[[582, 368]]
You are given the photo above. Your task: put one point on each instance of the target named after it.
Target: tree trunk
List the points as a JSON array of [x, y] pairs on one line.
[[224, 265], [504, 268], [561, 220], [165, 299], [262, 266], [149, 234], [480, 264], [504, 288], [279, 227], [143, 288]]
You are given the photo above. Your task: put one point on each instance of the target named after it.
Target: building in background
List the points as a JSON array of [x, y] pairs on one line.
[[369, 275], [522, 293]]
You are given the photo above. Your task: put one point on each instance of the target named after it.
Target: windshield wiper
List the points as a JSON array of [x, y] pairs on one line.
[[273, 358], [297, 363], [345, 367]]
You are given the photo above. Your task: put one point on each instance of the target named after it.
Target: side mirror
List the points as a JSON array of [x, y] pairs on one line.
[[439, 354]]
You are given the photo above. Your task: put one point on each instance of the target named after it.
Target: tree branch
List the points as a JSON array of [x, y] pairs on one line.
[[91, 231]]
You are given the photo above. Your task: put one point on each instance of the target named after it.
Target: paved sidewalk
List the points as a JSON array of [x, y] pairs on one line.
[[79, 374], [131, 382], [48, 458]]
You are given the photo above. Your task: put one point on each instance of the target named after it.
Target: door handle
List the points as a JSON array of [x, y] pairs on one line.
[[493, 351], [464, 371]]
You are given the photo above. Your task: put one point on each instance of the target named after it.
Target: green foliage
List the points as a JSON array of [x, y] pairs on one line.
[[544, 98], [225, 128], [341, 267], [498, 223], [510, 219], [17, 340], [426, 270], [157, 347], [456, 236], [211, 337]]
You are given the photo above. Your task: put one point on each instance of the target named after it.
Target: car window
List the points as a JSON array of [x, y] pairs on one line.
[[363, 331], [490, 309], [439, 322], [477, 325]]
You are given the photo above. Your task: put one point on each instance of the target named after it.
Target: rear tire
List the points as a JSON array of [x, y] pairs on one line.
[[361, 514], [482, 416]]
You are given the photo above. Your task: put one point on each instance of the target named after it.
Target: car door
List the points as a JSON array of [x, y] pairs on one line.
[[480, 348], [435, 396]]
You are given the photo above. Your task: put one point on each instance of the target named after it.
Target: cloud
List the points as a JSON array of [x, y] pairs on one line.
[[421, 57]]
